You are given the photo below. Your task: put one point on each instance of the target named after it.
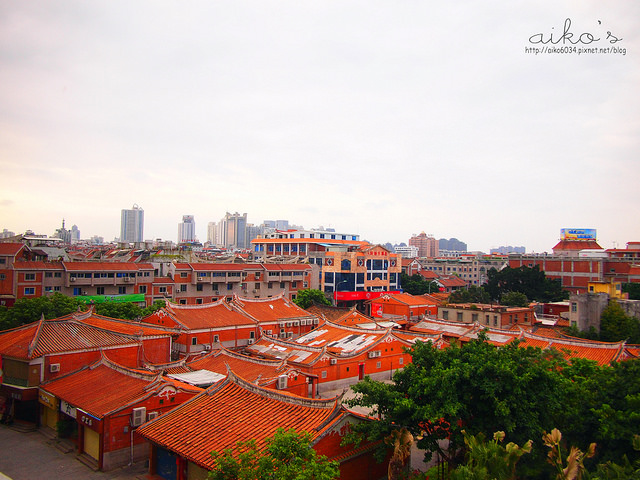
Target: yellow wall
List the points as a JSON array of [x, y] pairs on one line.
[[194, 472]]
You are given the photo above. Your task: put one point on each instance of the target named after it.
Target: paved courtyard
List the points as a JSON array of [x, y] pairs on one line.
[[26, 456]]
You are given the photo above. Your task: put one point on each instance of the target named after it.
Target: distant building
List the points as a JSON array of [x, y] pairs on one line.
[[75, 234], [63, 234], [132, 225], [233, 228], [427, 245], [187, 229], [507, 250], [6, 233], [407, 252]]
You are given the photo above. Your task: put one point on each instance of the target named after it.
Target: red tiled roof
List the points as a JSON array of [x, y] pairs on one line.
[[451, 281], [85, 388], [249, 368], [208, 267], [294, 353], [270, 309], [60, 335], [10, 248], [601, 352], [354, 317], [100, 266], [204, 316], [342, 340], [575, 245], [428, 274], [328, 241], [25, 265], [127, 327], [235, 411], [406, 298], [327, 312]]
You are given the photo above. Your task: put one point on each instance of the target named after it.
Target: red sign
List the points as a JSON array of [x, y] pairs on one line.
[[346, 296]]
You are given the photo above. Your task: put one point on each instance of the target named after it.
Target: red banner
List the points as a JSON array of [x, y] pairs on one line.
[[347, 296]]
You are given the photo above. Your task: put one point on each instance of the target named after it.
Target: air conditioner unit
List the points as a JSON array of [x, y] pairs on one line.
[[296, 324], [217, 292], [253, 291], [201, 279], [138, 416], [289, 334], [54, 367], [374, 353], [207, 346], [282, 382], [315, 321], [333, 361], [283, 334], [152, 415], [250, 341], [127, 279], [72, 279]]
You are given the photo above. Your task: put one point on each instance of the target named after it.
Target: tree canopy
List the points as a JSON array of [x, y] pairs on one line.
[[416, 284], [523, 392], [473, 294], [288, 456], [616, 325], [530, 281], [28, 310], [307, 297]]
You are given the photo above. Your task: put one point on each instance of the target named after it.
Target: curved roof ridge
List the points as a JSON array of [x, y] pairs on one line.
[[291, 344], [200, 306], [286, 397], [240, 356], [357, 329], [34, 341], [107, 362], [575, 341]]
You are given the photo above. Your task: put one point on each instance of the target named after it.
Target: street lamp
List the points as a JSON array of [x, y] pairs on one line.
[[335, 292]]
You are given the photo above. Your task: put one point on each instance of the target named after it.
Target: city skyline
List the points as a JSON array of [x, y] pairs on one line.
[[376, 118]]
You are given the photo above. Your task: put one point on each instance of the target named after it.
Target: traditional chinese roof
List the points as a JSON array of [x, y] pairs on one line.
[[403, 298], [269, 347], [353, 317], [234, 411], [452, 281], [32, 265], [328, 312], [64, 334], [252, 369], [100, 266], [127, 327], [601, 352], [576, 245], [343, 340], [215, 315], [105, 387], [272, 309], [450, 329]]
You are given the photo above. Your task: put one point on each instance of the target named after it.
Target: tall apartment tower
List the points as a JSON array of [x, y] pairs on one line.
[[187, 229], [234, 230], [427, 245], [132, 225]]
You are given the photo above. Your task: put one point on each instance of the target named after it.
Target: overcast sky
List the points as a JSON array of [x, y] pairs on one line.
[[381, 118]]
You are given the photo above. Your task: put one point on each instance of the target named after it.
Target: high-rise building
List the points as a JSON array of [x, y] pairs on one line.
[[427, 245], [63, 234], [234, 230], [187, 229], [132, 225], [75, 234]]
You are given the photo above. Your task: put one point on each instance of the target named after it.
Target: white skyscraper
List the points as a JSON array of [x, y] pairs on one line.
[[132, 225], [187, 229]]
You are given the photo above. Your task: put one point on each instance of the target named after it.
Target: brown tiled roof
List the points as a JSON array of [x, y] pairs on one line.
[[249, 368], [353, 317], [100, 266], [105, 387], [63, 334], [127, 327], [234, 411], [601, 352], [207, 315], [28, 265], [270, 309], [10, 248], [575, 245], [328, 312], [405, 298]]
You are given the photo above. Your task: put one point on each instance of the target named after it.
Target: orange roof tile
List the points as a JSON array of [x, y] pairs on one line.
[[297, 354], [270, 309], [85, 388], [234, 411], [127, 327], [601, 352], [249, 368], [353, 317], [100, 266], [10, 248], [204, 316], [343, 340], [63, 334], [405, 298], [328, 312]]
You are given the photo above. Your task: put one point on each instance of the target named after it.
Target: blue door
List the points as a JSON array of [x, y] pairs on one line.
[[166, 466]]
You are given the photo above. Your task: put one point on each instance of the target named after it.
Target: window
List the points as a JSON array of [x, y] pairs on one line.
[[229, 286], [194, 341], [57, 274], [459, 316], [281, 284], [378, 364], [270, 285], [256, 286], [183, 275], [445, 314], [183, 301], [324, 374], [2, 276], [32, 291], [252, 334], [294, 284], [100, 291], [199, 287], [216, 339], [122, 290], [198, 301], [29, 276], [77, 291], [495, 320], [474, 317], [142, 289], [48, 274], [574, 307], [401, 361], [162, 289]]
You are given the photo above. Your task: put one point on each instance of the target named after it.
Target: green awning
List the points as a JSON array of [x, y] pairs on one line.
[[130, 298]]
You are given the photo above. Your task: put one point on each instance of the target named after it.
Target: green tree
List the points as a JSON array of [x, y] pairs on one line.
[[124, 310], [633, 289], [615, 325], [476, 387], [473, 294], [288, 456], [530, 281], [307, 297], [514, 299], [489, 460], [28, 310], [416, 284]]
